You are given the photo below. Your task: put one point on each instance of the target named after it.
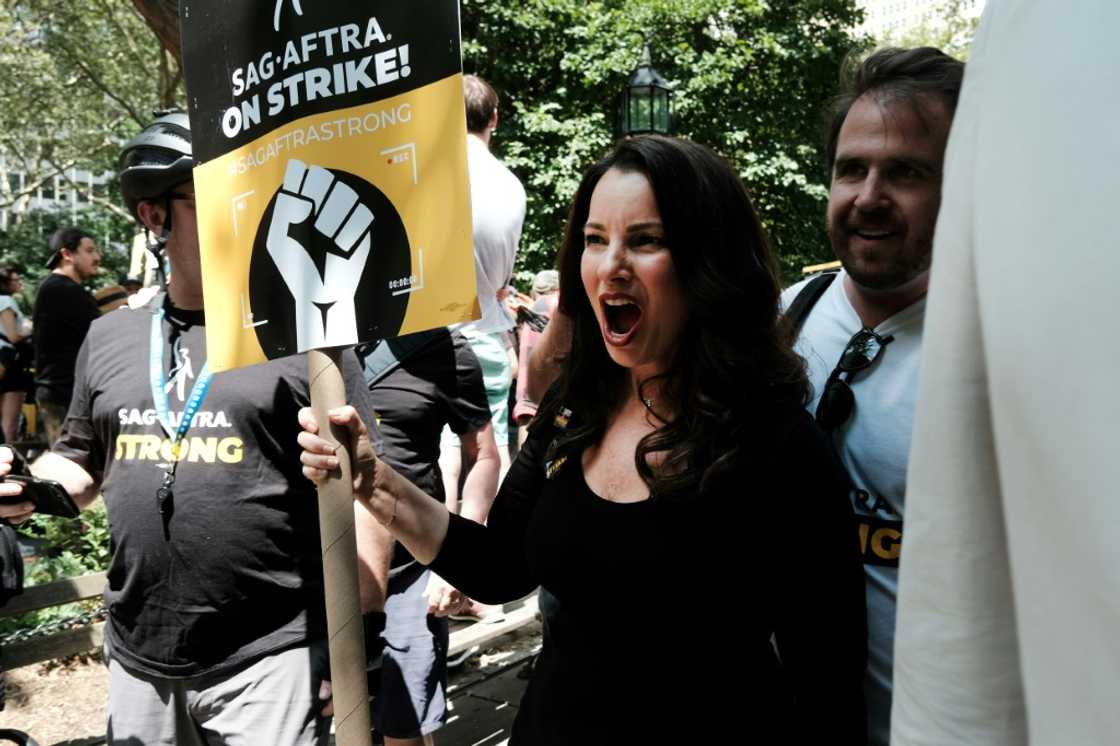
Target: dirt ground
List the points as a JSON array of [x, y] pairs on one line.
[[64, 704], [58, 704]]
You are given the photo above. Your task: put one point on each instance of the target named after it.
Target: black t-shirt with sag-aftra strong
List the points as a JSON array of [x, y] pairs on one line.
[[231, 570]]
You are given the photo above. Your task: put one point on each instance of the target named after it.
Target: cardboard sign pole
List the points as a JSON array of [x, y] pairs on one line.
[[340, 566]]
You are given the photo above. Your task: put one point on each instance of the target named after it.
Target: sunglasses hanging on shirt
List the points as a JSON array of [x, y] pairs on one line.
[[837, 401]]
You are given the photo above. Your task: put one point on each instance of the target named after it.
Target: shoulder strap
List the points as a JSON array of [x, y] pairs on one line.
[[799, 309], [389, 354]]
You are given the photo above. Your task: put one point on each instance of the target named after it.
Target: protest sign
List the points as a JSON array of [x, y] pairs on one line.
[[332, 190], [333, 208]]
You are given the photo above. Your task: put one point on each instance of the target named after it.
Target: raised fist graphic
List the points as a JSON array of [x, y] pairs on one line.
[[323, 289]]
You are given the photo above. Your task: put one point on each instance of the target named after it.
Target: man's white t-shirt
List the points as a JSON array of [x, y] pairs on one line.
[[874, 446], [498, 212]]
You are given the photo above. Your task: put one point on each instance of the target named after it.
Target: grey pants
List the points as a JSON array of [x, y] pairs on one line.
[[271, 701], [412, 695]]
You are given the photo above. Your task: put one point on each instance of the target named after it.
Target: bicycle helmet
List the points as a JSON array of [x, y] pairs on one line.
[[156, 160]]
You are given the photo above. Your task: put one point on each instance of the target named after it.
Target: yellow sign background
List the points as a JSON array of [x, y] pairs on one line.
[[412, 147]]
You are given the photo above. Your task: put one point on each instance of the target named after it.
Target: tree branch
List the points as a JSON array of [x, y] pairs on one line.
[[12, 149], [91, 197], [29, 190], [109, 10], [96, 81], [162, 17]]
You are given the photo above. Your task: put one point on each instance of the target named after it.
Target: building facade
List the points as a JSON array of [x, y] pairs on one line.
[[890, 19], [21, 194]]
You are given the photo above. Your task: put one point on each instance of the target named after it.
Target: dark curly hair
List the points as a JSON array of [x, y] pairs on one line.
[[734, 375]]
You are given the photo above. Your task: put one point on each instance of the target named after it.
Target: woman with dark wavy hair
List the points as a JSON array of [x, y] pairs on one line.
[[673, 494]]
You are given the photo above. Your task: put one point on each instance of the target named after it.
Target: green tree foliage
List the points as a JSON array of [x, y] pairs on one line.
[[78, 545], [74, 547], [751, 80], [76, 80], [26, 245]]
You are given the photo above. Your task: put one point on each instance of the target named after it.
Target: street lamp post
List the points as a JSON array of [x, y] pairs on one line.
[[644, 105]]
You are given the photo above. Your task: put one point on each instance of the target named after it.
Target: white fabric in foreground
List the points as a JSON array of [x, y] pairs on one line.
[[1009, 589]]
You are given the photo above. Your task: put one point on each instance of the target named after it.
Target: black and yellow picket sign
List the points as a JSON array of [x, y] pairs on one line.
[[333, 208], [332, 190]]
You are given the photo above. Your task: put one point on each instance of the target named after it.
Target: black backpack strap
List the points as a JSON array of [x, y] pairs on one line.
[[799, 309], [381, 359]]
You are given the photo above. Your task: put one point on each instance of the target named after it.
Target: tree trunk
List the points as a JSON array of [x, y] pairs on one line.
[[163, 18]]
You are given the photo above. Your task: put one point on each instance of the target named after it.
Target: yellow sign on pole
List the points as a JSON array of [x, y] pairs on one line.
[[332, 191]]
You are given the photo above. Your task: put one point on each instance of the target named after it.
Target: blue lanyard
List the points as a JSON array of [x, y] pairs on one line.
[[159, 391]]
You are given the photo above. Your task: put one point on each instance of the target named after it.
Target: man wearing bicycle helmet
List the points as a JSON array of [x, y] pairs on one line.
[[216, 625]]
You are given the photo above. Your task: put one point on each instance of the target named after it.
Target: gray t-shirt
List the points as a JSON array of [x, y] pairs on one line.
[[231, 570]]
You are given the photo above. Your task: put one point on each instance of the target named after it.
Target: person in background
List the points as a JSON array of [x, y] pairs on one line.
[[545, 294], [131, 284], [110, 298], [548, 356], [675, 464], [62, 314], [16, 353], [498, 212], [861, 329], [418, 384], [216, 629]]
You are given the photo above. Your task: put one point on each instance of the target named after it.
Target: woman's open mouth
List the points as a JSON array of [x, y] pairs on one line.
[[621, 316]]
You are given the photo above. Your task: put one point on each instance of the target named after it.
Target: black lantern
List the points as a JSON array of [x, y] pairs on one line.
[[644, 104]]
